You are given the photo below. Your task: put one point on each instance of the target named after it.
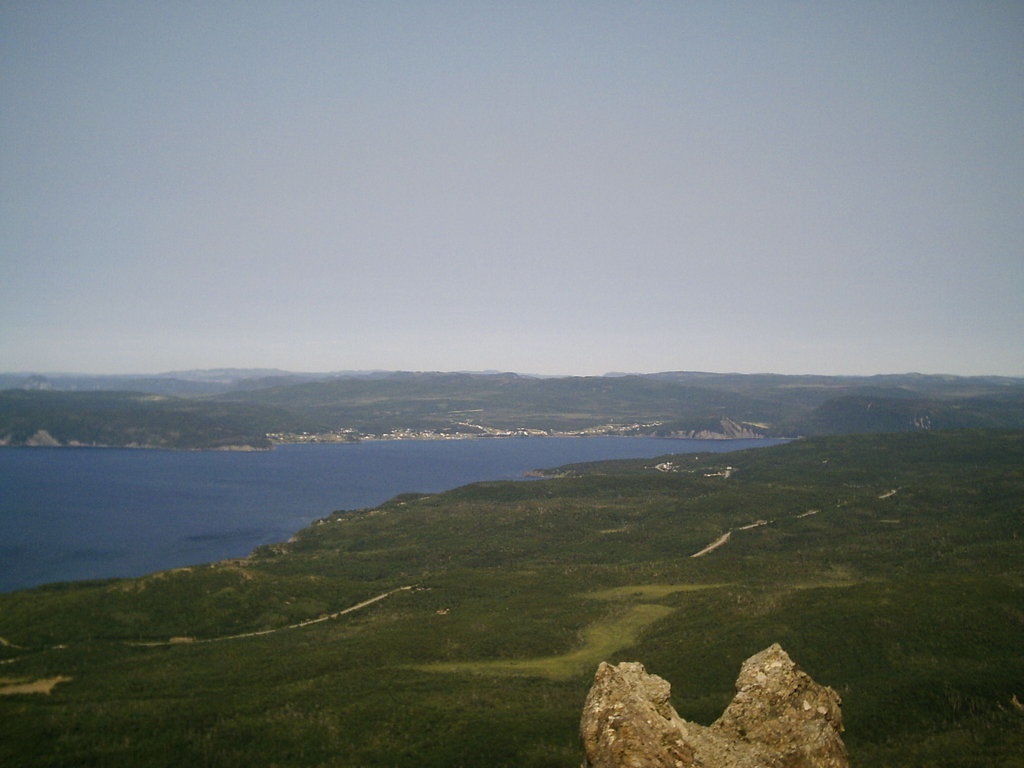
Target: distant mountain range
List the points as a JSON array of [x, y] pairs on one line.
[[240, 407], [181, 383]]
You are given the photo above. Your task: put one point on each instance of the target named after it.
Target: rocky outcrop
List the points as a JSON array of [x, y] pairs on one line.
[[779, 718], [42, 438], [727, 429]]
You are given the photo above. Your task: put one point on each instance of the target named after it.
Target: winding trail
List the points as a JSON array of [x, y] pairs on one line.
[[757, 524], [714, 544], [728, 535], [306, 623]]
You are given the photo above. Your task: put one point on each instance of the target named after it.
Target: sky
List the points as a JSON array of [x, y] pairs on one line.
[[545, 187]]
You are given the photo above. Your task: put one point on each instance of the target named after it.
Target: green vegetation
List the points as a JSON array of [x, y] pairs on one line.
[[598, 642], [344, 408], [449, 401], [910, 604], [647, 591], [135, 419], [682, 403]]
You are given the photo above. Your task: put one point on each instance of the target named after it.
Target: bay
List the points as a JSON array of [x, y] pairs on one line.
[[80, 513]]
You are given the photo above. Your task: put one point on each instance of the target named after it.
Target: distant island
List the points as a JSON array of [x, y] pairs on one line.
[[232, 409]]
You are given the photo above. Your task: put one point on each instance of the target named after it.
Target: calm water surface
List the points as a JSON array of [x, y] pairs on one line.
[[79, 513]]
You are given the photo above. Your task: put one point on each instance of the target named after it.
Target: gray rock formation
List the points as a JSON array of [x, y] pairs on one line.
[[42, 438], [729, 430], [779, 718]]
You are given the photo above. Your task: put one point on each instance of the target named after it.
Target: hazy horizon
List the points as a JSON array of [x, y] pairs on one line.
[[485, 371], [559, 188]]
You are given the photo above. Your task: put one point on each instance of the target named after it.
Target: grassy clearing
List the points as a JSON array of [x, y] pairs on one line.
[[647, 591], [601, 640], [917, 626], [838, 584], [12, 686]]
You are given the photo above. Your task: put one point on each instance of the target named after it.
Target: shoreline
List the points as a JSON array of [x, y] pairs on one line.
[[87, 446], [273, 508], [325, 439], [314, 440]]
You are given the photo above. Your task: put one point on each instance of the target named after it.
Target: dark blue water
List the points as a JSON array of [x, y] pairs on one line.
[[78, 513]]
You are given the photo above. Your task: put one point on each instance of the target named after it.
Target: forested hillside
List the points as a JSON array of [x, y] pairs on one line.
[[135, 419], [402, 405], [464, 628]]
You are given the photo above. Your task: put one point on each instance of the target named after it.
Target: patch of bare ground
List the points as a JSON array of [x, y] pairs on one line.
[[757, 524], [11, 686], [728, 535], [714, 544]]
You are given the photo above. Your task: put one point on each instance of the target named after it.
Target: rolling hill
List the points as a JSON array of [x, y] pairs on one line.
[[463, 628], [135, 419], [350, 407]]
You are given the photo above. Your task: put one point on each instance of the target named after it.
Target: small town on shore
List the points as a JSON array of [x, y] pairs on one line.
[[463, 431]]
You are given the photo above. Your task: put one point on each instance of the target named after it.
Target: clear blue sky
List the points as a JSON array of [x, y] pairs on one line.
[[551, 187]]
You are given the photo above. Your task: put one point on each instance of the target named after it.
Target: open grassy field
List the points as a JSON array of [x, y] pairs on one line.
[[889, 567]]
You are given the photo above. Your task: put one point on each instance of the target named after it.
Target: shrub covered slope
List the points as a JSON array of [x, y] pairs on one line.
[[890, 567]]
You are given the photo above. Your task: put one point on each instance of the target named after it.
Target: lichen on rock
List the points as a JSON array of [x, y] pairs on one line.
[[779, 718]]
